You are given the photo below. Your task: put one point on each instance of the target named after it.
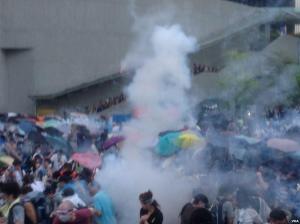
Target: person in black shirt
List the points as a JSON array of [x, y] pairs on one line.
[[201, 216], [150, 212], [199, 201]]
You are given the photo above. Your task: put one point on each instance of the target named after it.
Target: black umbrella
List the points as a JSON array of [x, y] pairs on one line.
[[53, 131], [36, 137]]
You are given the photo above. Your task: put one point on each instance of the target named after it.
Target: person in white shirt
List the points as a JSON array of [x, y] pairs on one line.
[[58, 160], [69, 195], [246, 213]]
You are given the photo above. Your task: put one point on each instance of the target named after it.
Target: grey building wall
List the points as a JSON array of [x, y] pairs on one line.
[[3, 83], [74, 42], [19, 71]]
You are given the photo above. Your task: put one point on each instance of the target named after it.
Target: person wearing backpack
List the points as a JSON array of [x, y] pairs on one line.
[[14, 214], [38, 201], [223, 210], [246, 213], [201, 216], [199, 201], [30, 212]]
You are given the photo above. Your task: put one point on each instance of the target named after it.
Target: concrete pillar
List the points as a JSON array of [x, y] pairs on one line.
[[19, 67], [3, 83]]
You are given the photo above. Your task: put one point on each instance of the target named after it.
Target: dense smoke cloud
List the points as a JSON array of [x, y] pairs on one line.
[[158, 93]]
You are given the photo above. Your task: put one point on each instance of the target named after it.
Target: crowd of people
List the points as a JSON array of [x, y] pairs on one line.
[[107, 103], [40, 184], [198, 68]]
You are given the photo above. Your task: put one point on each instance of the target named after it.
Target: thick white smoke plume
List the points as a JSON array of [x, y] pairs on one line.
[[158, 93]]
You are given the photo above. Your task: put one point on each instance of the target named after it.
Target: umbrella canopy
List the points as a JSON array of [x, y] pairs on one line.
[[112, 141], [36, 137], [27, 126], [53, 131], [168, 144], [58, 142], [6, 160], [295, 155], [171, 131], [188, 140], [283, 144], [247, 139], [51, 123], [90, 160]]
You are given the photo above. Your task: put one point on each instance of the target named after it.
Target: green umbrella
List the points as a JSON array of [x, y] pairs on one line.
[[52, 123], [168, 144]]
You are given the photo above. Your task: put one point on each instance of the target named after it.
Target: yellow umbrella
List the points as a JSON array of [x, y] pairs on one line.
[[188, 140], [7, 160]]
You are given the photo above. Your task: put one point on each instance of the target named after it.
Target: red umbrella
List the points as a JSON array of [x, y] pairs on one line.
[[283, 144], [90, 160]]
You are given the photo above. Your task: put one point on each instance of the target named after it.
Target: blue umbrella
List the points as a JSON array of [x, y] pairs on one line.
[[295, 155], [27, 126]]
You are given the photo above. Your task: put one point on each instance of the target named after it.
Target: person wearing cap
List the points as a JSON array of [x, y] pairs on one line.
[[150, 212], [199, 201]]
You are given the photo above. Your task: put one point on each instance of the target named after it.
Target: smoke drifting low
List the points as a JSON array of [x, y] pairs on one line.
[[158, 93]]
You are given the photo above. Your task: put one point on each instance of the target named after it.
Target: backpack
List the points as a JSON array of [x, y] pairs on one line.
[[217, 212], [186, 213], [10, 214], [39, 204]]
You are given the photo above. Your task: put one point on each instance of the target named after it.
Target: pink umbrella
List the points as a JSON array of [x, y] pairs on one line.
[[90, 160], [283, 144]]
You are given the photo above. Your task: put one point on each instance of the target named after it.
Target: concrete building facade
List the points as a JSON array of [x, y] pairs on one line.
[[53, 50]]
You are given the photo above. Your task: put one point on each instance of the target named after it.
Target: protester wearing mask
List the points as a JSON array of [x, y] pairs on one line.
[[150, 212]]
